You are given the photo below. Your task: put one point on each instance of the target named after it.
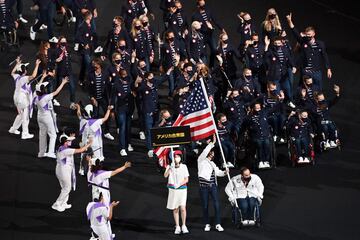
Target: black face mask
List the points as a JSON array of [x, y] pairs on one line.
[[143, 68], [179, 10], [306, 39], [202, 7], [62, 44], [309, 85], [255, 42], [168, 119], [246, 179], [277, 47], [151, 80], [224, 123], [226, 41], [138, 27], [117, 62], [249, 77], [171, 39], [237, 98], [273, 92], [322, 102], [256, 112], [122, 48], [145, 24], [272, 16], [247, 21]]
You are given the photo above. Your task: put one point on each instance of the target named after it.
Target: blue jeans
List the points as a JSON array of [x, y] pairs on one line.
[[205, 192], [329, 130], [285, 85], [277, 121], [85, 65], [124, 124], [149, 123], [263, 149], [229, 150], [46, 17], [302, 143], [249, 208]]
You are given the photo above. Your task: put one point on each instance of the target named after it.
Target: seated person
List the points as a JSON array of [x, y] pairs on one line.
[[247, 190], [300, 130]]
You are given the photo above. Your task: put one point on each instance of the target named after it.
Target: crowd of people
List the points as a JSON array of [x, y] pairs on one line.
[[250, 85]]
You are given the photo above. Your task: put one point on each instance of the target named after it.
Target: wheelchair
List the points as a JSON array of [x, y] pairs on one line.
[[324, 141], [293, 154], [240, 222]]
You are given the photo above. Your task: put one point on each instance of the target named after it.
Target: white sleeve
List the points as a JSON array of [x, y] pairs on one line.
[[218, 172], [260, 187], [186, 171], [229, 190], [205, 152], [106, 175]]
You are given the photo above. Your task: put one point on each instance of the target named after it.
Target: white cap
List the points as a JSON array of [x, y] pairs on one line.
[[66, 137], [89, 109], [20, 65], [54, 40], [38, 86]]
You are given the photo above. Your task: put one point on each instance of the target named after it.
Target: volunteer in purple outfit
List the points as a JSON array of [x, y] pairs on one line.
[[65, 170]]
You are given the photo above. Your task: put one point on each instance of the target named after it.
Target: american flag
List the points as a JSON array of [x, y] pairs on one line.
[[196, 113]]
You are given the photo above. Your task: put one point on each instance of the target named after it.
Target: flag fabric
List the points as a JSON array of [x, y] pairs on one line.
[[196, 113]]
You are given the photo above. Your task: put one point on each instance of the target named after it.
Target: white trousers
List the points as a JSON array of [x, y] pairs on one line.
[[103, 232], [46, 127], [22, 119], [63, 174]]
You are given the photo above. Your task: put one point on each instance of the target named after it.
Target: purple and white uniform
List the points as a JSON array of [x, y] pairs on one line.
[[97, 214], [92, 128], [100, 183]]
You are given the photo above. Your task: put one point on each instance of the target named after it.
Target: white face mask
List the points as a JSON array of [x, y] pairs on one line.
[[177, 160]]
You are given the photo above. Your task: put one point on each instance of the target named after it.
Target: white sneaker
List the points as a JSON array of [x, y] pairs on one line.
[[81, 172], [266, 164], [261, 165], [301, 160], [292, 105], [282, 140], [245, 222], [207, 228], [184, 229], [32, 34], [123, 153], [327, 144], [23, 20], [73, 19], [72, 106], [142, 135], [50, 155], [56, 103], [150, 153], [219, 228], [130, 148], [251, 222], [67, 206], [99, 49], [333, 144], [177, 230], [76, 47], [306, 160], [27, 136], [109, 136], [58, 208], [43, 27], [275, 138], [14, 131]]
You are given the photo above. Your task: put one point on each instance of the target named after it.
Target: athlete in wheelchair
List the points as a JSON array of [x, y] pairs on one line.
[[245, 192], [300, 134], [8, 26]]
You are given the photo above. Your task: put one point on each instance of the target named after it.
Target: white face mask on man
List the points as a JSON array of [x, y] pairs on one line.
[[177, 160]]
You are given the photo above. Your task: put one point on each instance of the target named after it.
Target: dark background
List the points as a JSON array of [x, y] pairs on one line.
[[319, 202]]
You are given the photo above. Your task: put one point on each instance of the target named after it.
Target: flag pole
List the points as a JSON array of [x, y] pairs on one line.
[[217, 134]]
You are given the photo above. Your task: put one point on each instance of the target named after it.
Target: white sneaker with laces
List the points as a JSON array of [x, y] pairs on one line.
[[266, 164], [275, 138], [251, 222], [261, 165], [123, 153], [56, 103], [219, 228], [27, 136], [50, 155], [207, 228], [306, 160], [32, 34], [301, 160], [43, 27], [130, 148], [67, 206], [150, 153], [58, 208], [291, 104], [282, 140], [99, 49], [184, 229], [327, 144], [14, 131], [109, 136], [177, 230], [333, 144], [245, 222], [142, 135], [23, 20]]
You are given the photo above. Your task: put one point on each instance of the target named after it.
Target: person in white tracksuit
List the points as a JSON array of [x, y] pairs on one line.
[[46, 117], [23, 98], [247, 190], [90, 127], [65, 170], [99, 214]]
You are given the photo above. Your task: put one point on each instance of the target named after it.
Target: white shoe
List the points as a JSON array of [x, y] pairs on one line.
[[142, 135], [23, 20], [73, 19], [219, 228], [327, 144], [207, 228], [50, 155], [261, 165], [76, 47], [99, 49], [177, 230], [109, 136], [266, 164], [275, 138], [292, 105], [301, 160], [58, 208], [282, 140], [72, 106], [306, 160], [150, 153], [32, 34], [130, 148], [123, 153], [56, 103], [81, 172], [14, 131], [27, 136], [333, 144], [184, 229], [251, 222], [245, 222], [67, 206], [43, 27]]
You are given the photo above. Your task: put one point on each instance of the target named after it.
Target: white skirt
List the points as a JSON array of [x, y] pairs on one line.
[[176, 198]]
